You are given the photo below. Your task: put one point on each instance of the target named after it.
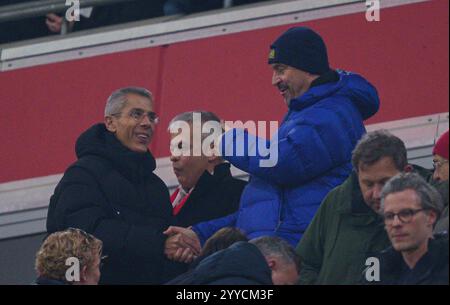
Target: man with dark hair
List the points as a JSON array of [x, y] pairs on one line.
[[347, 228], [112, 193], [410, 208]]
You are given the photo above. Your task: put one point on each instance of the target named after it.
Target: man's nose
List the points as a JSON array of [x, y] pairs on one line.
[[396, 221], [436, 175], [275, 79], [377, 191], [174, 158], [146, 121]]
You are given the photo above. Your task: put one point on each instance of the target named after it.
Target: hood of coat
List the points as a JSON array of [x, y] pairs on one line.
[[98, 141], [353, 86], [241, 260]]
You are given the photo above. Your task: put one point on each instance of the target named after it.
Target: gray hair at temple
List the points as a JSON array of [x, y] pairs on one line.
[[118, 99], [276, 246], [429, 198], [374, 146]]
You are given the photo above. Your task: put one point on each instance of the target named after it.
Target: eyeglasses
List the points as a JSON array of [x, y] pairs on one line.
[[139, 114], [405, 216], [437, 164]]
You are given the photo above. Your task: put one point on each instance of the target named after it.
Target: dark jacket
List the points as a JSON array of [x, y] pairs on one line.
[[431, 269], [343, 234], [240, 264], [112, 193], [311, 155], [120, 13], [214, 196]]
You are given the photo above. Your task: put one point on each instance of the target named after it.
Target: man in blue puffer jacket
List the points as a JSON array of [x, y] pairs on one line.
[[314, 144]]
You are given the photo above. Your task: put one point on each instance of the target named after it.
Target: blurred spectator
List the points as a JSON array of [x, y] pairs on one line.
[[58, 248], [108, 15], [347, 228], [112, 192], [16, 30], [183, 7], [222, 239], [440, 158], [283, 262], [262, 261], [410, 208], [440, 177]]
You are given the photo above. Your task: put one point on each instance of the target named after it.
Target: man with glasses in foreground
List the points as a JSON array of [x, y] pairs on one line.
[[410, 208], [112, 192]]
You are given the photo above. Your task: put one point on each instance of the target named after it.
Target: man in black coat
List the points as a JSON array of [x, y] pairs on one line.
[[112, 192], [410, 208], [206, 190]]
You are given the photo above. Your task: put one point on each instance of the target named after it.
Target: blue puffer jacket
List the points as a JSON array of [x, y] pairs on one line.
[[315, 142]]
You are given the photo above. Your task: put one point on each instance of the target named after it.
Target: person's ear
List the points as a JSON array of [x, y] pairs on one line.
[[432, 217], [110, 124], [212, 153], [408, 168], [271, 263], [83, 274]]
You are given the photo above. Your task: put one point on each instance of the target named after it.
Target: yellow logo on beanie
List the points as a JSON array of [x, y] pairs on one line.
[[272, 54]]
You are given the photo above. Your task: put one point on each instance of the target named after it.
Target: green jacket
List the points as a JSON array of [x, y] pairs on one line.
[[342, 235]]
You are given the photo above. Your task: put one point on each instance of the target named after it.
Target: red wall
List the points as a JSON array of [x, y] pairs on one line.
[[43, 109]]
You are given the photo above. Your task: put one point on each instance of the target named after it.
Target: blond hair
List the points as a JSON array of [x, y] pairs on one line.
[[59, 246]]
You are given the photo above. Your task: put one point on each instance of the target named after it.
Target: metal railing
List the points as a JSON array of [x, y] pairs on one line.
[[43, 7]]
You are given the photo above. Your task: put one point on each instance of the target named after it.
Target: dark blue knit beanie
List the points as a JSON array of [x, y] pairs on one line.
[[301, 48]]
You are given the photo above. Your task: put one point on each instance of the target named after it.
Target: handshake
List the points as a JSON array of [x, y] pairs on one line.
[[182, 244]]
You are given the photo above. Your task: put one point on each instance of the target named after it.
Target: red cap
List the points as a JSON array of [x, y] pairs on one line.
[[441, 147]]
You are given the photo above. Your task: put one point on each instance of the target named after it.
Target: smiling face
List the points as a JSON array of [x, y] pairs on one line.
[[291, 82], [413, 235], [133, 133], [187, 167]]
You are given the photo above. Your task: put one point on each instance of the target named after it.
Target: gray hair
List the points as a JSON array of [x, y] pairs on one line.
[[429, 197], [117, 101], [276, 246], [374, 146], [188, 117]]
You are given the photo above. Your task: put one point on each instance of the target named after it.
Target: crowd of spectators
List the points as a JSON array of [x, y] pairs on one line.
[[332, 199], [93, 17]]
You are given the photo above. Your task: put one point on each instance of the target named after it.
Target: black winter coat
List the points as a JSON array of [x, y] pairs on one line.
[[240, 264], [214, 196], [431, 269], [112, 193]]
